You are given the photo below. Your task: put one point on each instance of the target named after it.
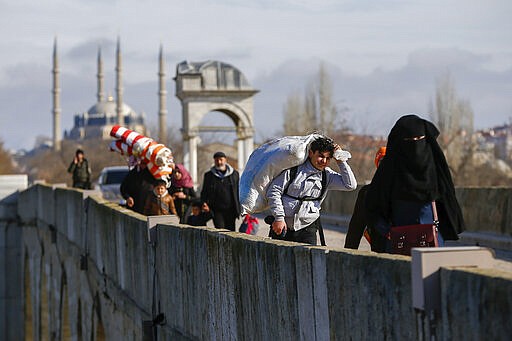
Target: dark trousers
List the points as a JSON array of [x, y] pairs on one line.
[[306, 235], [224, 219]]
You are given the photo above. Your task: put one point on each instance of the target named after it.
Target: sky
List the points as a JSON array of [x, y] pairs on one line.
[[384, 56]]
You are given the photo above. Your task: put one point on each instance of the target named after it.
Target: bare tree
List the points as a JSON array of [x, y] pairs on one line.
[[6, 162], [454, 118], [327, 111], [294, 115], [316, 110], [310, 104]]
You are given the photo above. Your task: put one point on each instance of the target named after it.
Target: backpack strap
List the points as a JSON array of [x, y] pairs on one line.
[[293, 175], [324, 183]]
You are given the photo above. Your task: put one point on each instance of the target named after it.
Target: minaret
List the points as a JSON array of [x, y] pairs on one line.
[[101, 92], [119, 86], [162, 105], [56, 100]]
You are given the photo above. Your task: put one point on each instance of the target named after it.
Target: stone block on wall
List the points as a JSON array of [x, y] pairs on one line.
[[27, 204], [476, 304], [368, 293]]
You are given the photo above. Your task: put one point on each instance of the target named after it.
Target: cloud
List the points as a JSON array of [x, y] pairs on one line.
[[27, 104], [31, 74], [316, 6], [88, 50], [446, 58], [375, 100]]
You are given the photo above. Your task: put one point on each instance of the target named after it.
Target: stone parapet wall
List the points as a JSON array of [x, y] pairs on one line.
[[487, 209], [217, 284], [476, 304], [10, 254], [484, 209]]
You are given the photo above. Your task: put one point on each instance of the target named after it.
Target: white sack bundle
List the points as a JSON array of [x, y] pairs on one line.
[[265, 163]]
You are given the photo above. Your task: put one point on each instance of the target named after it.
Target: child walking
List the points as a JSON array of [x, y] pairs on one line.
[[159, 201], [200, 214]]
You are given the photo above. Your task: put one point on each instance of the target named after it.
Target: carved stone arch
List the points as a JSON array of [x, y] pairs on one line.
[[214, 86], [234, 111]]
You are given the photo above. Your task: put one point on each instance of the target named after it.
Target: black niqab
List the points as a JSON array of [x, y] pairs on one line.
[[415, 169], [412, 161]]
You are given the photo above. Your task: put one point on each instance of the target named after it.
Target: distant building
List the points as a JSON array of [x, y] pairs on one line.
[[101, 117], [498, 140], [108, 110]]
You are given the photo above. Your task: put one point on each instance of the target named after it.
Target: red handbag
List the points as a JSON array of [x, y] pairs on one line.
[[403, 238]]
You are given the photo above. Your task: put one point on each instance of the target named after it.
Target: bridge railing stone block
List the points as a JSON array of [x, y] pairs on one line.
[[487, 209], [369, 295], [47, 205], [69, 210], [117, 244], [28, 203], [169, 260], [251, 282], [476, 304]]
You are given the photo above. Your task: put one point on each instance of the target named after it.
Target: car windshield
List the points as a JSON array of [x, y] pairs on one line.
[[115, 177]]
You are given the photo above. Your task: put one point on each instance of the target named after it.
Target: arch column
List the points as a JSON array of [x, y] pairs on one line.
[[248, 147], [245, 145], [191, 140], [240, 146]]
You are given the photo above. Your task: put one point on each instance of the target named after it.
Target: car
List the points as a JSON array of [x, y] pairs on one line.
[[109, 182]]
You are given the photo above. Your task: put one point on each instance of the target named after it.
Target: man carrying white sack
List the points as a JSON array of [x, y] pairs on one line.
[[296, 195]]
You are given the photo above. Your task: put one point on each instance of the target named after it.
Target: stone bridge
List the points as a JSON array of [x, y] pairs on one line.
[[80, 268]]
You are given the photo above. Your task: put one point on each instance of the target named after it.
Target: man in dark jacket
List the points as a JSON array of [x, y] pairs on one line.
[[81, 171], [136, 186], [220, 192]]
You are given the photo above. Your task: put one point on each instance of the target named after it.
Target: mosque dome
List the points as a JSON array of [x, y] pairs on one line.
[[99, 119], [108, 109]]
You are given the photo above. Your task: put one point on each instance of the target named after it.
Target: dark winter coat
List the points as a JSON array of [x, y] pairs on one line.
[[81, 174], [220, 189], [182, 205], [137, 184]]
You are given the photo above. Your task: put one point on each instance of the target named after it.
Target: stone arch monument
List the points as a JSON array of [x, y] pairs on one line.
[[214, 86]]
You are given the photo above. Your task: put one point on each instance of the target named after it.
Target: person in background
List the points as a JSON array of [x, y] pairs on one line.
[[412, 175], [159, 201], [220, 192], [81, 171], [200, 214], [182, 190], [359, 222], [136, 186]]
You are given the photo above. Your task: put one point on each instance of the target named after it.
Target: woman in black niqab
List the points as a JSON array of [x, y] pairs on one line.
[[413, 173]]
